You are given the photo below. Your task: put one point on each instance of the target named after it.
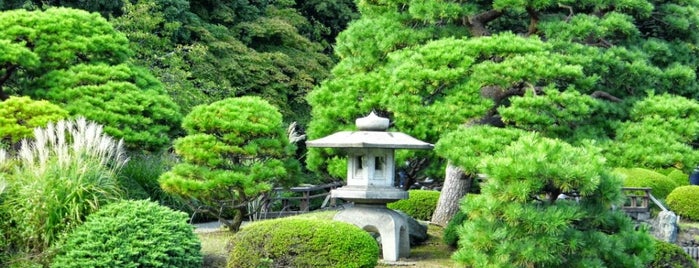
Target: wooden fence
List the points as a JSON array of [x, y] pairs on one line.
[[283, 202]]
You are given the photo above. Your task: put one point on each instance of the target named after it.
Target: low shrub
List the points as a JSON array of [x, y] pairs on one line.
[[131, 234], [668, 255], [678, 177], [292, 242], [451, 235], [420, 205], [683, 201], [660, 184]]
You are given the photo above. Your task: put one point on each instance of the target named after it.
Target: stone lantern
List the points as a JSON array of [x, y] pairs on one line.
[[370, 180]]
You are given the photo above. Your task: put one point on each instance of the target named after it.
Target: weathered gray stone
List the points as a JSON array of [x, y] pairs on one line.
[[378, 219], [418, 231], [664, 227]]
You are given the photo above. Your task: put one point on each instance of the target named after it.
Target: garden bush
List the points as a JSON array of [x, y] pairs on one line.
[[660, 184], [131, 234], [420, 205], [678, 177], [683, 201], [293, 242], [668, 255], [451, 235]]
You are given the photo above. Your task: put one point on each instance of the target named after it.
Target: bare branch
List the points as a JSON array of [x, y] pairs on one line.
[[570, 10], [477, 23], [605, 96], [533, 21]]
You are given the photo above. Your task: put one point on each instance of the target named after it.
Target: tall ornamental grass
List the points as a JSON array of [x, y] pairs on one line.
[[65, 173]]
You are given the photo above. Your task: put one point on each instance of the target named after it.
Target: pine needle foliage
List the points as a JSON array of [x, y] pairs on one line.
[[236, 150], [519, 221], [67, 171]]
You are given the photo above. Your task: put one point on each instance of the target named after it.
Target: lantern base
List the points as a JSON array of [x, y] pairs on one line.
[[391, 226], [369, 194]]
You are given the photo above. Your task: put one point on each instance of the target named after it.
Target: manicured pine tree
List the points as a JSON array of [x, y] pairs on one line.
[[235, 150]]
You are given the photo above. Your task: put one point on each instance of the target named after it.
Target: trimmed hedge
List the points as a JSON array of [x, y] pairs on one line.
[[293, 242], [668, 255], [678, 177], [131, 234], [660, 184], [683, 201], [420, 205]]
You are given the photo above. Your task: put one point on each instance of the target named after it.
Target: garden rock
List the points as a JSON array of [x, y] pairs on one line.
[[418, 231], [664, 226]]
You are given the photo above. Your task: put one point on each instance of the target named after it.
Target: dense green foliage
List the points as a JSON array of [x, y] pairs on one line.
[[620, 77], [67, 171], [683, 201], [451, 231], [660, 184], [290, 242], [679, 177], [518, 220], [131, 234], [419, 205], [141, 174], [78, 61], [578, 70], [205, 51], [236, 149], [20, 115], [668, 255]]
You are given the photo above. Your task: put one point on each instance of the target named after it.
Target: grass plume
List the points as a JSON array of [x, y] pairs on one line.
[[67, 171]]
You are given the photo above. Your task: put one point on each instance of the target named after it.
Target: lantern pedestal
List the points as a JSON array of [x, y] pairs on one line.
[[389, 224], [370, 180]]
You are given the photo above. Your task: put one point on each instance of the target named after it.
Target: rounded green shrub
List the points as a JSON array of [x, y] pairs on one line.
[[678, 177], [660, 184], [293, 242], [420, 205], [131, 234], [668, 255], [683, 201]]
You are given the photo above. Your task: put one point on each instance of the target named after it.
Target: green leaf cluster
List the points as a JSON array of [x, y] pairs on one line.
[[20, 115], [419, 205], [519, 221], [303, 243], [659, 134], [205, 51], [131, 234], [78, 61]]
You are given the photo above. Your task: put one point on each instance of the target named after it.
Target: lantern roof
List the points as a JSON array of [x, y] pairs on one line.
[[371, 134]]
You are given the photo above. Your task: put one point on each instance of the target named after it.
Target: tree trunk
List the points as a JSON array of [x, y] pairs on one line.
[[456, 185]]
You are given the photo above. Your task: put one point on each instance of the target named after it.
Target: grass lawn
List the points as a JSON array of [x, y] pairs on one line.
[[433, 253]]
